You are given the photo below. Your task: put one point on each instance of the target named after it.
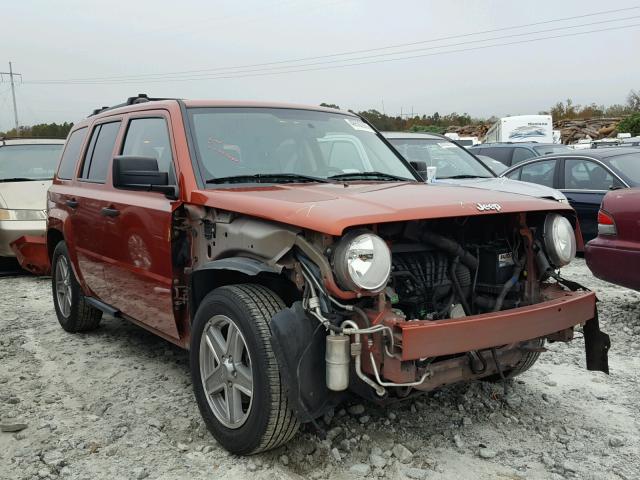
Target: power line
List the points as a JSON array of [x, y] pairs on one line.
[[367, 57], [327, 67], [332, 55], [13, 94]]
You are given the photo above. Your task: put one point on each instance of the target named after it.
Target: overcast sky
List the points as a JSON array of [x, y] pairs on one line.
[[73, 39]]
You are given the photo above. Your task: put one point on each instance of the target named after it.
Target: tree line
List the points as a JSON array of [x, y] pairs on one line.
[[439, 123], [41, 130], [436, 122]]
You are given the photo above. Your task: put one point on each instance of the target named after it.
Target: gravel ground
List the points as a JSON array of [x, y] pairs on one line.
[[117, 403]]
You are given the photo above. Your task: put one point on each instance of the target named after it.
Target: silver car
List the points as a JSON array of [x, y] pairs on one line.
[[26, 169], [457, 166]]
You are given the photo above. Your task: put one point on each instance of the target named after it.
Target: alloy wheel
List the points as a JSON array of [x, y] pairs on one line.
[[225, 371], [63, 286]]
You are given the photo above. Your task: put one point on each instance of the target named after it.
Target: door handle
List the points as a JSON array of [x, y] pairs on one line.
[[72, 203], [110, 212]]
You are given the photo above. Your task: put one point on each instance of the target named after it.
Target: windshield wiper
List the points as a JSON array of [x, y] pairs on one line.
[[369, 176], [268, 178], [460, 177], [22, 179]]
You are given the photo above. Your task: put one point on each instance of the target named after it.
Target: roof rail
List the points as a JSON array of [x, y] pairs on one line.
[[3, 139], [140, 98]]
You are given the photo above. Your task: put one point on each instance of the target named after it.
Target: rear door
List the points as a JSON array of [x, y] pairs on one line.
[[585, 182], [88, 203], [139, 265]]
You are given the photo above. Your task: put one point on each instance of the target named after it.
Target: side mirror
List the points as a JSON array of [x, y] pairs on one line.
[[141, 173], [421, 168]]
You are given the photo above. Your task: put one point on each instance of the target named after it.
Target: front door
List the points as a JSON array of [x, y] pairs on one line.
[[138, 269], [585, 184]]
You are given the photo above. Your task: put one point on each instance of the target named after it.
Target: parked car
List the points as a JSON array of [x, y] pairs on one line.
[[614, 255], [496, 166], [26, 169], [584, 176], [223, 228], [513, 153], [456, 166]]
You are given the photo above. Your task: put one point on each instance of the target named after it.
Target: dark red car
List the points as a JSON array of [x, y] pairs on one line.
[[614, 255]]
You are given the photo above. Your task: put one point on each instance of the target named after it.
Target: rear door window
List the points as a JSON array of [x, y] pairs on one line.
[[149, 137], [71, 154], [580, 174], [541, 172], [521, 154], [100, 152]]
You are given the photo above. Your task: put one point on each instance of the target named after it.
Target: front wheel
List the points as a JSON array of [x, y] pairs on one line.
[[234, 371]]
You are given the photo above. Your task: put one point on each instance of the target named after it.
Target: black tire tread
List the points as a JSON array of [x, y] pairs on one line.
[[262, 304], [83, 317], [527, 361]]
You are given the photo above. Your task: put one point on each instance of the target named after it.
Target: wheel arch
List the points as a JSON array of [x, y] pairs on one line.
[[54, 236], [238, 270]]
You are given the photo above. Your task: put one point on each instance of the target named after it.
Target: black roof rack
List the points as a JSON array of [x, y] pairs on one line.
[[140, 98]]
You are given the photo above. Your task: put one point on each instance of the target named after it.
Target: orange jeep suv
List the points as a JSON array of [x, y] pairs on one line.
[[300, 259]]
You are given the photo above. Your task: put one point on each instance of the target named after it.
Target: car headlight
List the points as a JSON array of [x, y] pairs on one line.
[[362, 261], [559, 240], [7, 214]]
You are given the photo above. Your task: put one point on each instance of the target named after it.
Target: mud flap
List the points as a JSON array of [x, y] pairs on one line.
[[596, 346], [299, 346]]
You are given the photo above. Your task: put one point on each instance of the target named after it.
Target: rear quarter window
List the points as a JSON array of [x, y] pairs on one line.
[[71, 154], [502, 154]]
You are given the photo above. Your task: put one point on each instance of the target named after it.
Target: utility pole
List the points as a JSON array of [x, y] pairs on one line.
[[13, 94]]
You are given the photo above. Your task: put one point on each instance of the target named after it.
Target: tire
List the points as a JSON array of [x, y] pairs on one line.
[[526, 362], [73, 312], [264, 420]]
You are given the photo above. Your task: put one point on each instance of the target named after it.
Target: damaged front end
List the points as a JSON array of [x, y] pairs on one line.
[[461, 299]]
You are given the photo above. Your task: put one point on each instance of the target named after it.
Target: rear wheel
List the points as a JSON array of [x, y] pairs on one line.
[[235, 374], [73, 312]]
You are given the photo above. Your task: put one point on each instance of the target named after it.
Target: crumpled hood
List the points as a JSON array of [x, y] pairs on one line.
[[503, 184], [330, 208], [31, 195]]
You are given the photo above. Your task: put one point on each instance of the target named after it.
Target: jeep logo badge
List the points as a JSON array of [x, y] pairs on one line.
[[489, 206]]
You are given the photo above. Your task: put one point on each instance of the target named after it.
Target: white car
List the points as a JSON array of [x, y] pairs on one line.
[[26, 169], [456, 166]]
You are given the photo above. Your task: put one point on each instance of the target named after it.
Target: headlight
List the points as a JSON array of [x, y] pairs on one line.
[[6, 214], [362, 261], [559, 240]]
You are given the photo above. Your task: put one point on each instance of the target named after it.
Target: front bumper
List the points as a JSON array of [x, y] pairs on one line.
[[435, 338], [11, 230]]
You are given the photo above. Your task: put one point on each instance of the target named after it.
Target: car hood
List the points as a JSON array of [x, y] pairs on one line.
[[332, 207], [503, 184], [31, 195]]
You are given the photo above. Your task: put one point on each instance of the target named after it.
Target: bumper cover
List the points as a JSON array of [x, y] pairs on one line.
[[31, 253], [12, 230], [619, 265]]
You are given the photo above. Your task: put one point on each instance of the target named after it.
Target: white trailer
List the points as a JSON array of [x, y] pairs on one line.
[[521, 128]]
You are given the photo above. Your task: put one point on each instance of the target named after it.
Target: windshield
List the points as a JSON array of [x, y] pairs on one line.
[[629, 165], [451, 160], [30, 162], [245, 142], [465, 143], [551, 149]]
